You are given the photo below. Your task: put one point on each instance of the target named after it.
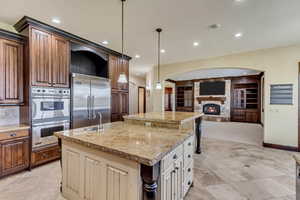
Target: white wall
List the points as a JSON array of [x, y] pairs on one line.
[[134, 83], [280, 66]]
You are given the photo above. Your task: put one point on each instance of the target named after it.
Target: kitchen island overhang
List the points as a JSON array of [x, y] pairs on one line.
[[171, 119], [127, 155]]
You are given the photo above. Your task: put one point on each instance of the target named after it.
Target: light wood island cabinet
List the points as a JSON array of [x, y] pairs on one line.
[[126, 162]]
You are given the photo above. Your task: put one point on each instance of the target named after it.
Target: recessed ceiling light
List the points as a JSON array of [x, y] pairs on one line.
[[162, 51], [105, 42], [238, 35], [215, 26], [196, 44], [239, 1], [137, 56], [56, 20]]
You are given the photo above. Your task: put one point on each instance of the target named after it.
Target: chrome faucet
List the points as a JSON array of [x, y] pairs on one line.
[[100, 121]]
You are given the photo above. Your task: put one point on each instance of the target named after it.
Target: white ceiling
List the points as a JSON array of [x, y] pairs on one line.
[[214, 73], [264, 23]]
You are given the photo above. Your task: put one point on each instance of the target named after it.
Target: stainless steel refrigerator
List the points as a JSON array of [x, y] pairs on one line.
[[91, 96]]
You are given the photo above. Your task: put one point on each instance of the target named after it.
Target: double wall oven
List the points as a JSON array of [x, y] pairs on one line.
[[50, 113]]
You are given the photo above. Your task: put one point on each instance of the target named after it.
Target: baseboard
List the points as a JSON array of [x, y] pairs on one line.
[[281, 147]]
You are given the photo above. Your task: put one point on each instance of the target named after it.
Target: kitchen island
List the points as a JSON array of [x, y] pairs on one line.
[[126, 162], [170, 119]]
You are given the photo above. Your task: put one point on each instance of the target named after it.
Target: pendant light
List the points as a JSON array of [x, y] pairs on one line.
[[122, 77], [158, 84]]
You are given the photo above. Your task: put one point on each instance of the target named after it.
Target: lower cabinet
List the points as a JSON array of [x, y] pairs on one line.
[[43, 155], [119, 105], [172, 179], [14, 155], [94, 175], [177, 171]]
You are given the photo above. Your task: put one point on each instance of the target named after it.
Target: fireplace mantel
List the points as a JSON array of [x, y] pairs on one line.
[[211, 98]]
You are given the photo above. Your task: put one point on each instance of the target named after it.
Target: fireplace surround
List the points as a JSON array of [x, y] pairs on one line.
[[211, 109]]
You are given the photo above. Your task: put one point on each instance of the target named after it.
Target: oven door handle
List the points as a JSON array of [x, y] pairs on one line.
[[89, 107], [93, 107], [33, 109]]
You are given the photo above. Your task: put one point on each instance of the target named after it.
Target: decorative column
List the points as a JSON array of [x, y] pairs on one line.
[[150, 175], [198, 122]]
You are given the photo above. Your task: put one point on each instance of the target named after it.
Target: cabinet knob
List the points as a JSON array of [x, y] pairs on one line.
[[13, 135], [189, 183], [189, 143], [189, 169], [189, 156], [175, 157]]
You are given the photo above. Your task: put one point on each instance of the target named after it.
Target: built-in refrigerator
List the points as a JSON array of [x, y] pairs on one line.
[[91, 97]]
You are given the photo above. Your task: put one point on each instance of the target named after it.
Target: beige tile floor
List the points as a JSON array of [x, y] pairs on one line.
[[225, 171]]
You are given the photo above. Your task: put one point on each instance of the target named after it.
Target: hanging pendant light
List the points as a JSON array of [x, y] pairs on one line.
[[122, 77], [158, 84]]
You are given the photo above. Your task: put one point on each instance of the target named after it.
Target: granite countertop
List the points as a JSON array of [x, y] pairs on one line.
[[16, 127], [167, 116], [145, 145]]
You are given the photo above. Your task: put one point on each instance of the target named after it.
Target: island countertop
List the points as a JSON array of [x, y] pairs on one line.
[[145, 145], [166, 117]]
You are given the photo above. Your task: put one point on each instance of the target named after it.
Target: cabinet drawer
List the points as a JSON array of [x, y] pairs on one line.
[[187, 184], [13, 134], [171, 157], [188, 171], [45, 155], [188, 150]]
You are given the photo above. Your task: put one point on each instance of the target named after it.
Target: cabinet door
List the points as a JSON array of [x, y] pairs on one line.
[[40, 58], [115, 103], [124, 103], [167, 180], [114, 71], [11, 72], [14, 156], [93, 178], [60, 61], [178, 179]]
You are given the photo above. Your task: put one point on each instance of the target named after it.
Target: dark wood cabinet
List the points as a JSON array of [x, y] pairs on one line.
[[60, 61], [40, 58], [44, 155], [119, 96], [14, 152], [184, 96], [11, 72], [245, 99], [120, 105], [49, 59], [118, 66]]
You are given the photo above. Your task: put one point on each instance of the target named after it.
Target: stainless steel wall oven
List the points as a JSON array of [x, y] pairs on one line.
[[50, 113]]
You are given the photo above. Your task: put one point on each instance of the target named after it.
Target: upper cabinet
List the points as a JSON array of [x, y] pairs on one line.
[[11, 71], [49, 59], [60, 61], [40, 58], [118, 66]]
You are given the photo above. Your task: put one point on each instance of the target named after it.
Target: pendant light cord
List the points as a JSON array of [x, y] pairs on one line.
[[159, 30], [122, 30]]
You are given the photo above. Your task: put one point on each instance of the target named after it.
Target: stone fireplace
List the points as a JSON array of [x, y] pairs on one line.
[[216, 107], [211, 109]]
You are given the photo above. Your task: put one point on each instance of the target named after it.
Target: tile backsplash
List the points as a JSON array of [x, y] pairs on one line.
[[9, 115]]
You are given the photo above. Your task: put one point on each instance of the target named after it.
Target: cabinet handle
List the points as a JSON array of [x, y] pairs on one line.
[[189, 156], [189, 169], [174, 171], [176, 168], [175, 157], [13, 135]]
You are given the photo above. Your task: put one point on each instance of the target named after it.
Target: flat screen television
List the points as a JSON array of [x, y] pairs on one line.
[[212, 88]]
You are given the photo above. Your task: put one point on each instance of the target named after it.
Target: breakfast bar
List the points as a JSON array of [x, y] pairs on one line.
[[171, 119], [125, 161]]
